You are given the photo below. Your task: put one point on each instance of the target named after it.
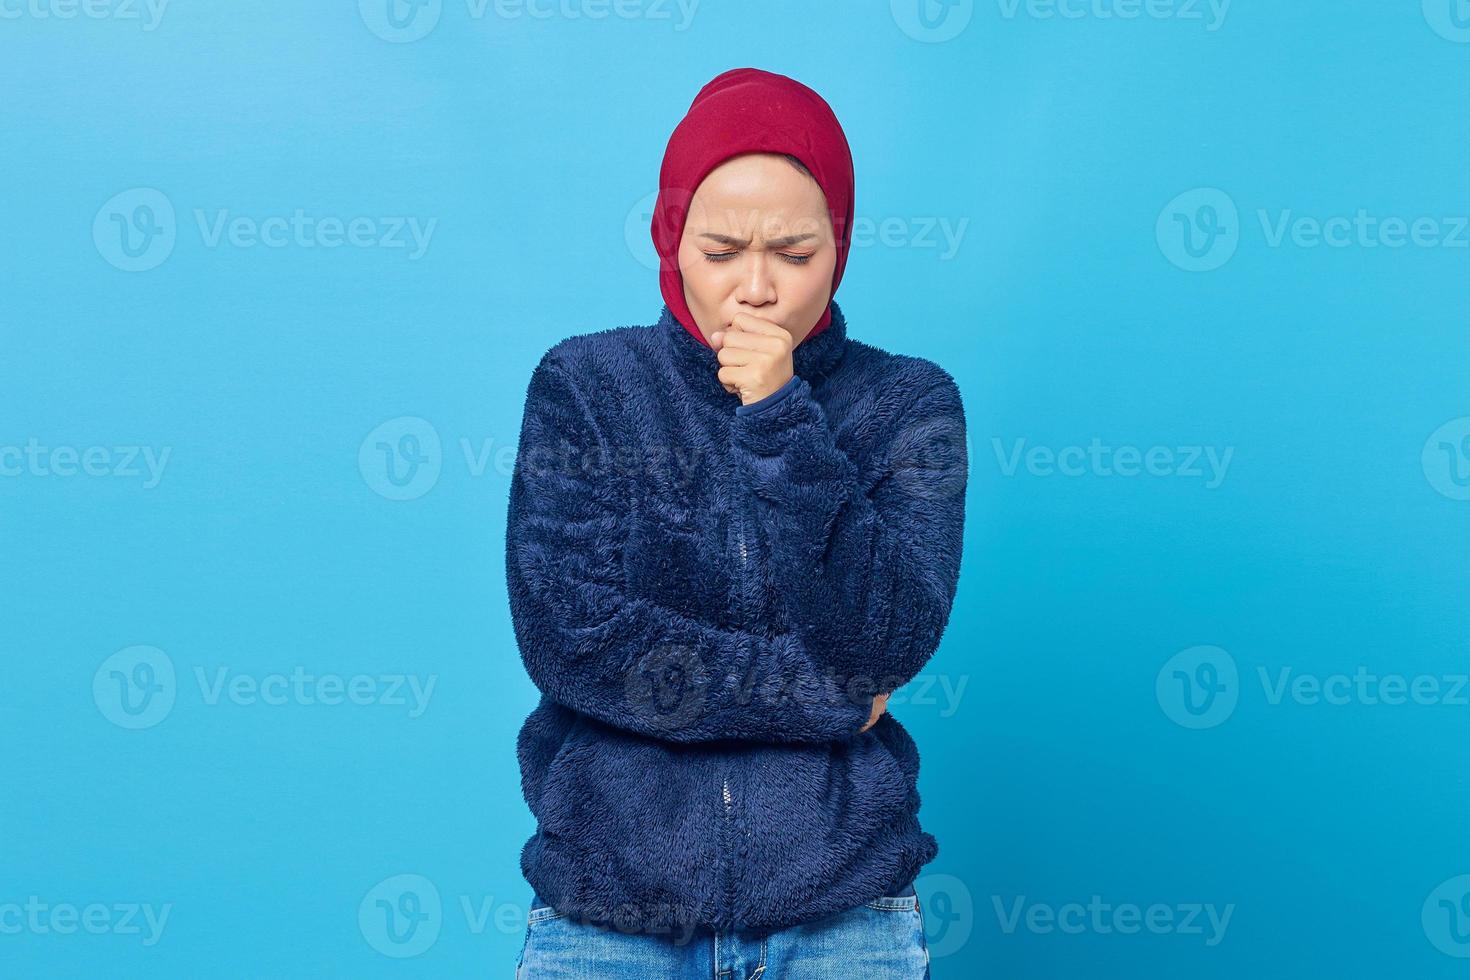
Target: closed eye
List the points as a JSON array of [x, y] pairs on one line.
[[727, 256]]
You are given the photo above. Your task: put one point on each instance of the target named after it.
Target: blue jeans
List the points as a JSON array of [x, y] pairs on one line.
[[878, 940]]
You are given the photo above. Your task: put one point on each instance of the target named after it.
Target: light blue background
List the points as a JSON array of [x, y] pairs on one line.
[[1069, 765]]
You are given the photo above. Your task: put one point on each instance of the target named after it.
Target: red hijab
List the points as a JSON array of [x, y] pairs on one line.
[[747, 110]]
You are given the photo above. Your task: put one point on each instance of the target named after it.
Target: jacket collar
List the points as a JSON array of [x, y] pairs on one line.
[[812, 359]]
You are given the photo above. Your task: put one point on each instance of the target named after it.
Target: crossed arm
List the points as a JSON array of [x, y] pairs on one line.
[[868, 576]]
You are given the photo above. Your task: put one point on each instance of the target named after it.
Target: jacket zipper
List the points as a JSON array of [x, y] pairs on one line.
[[740, 527], [726, 797]]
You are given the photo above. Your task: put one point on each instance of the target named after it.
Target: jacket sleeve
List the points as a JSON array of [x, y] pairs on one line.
[[866, 563], [591, 644]]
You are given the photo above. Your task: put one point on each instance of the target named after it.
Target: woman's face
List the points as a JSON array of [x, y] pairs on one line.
[[758, 240]]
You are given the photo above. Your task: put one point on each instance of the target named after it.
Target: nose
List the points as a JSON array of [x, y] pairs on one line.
[[757, 286]]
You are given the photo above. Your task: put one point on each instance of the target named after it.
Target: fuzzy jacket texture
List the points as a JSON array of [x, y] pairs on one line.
[[708, 595]]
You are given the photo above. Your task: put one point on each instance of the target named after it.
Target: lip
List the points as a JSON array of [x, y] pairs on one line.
[[728, 324]]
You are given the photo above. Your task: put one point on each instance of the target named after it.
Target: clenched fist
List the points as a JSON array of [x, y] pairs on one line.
[[754, 355]]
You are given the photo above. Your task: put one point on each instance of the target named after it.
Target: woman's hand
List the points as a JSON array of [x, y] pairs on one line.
[[755, 355], [880, 705]]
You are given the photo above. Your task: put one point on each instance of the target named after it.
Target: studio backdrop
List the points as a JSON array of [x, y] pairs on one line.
[[273, 280]]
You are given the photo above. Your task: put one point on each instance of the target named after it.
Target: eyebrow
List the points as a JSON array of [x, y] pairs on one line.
[[772, 243]]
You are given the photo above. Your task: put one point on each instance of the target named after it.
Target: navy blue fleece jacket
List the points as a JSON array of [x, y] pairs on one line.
[[708, 596]]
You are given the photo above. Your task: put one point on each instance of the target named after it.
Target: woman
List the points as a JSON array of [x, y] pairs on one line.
[[730, 536]]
